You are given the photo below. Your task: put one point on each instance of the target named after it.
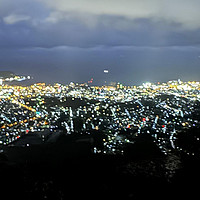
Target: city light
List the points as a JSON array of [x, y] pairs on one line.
[[110, 119], [29, 104]]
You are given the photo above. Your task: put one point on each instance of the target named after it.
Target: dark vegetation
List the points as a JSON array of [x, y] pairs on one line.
[[67, 169]]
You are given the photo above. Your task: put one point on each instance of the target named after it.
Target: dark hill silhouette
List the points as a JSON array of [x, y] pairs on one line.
[[6, 74]]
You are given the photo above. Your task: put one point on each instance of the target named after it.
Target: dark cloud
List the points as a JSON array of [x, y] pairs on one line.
[[73, 33]]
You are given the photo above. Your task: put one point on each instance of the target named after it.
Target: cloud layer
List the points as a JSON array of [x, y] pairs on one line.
[[91, 22], [13, 18], [177, 11]]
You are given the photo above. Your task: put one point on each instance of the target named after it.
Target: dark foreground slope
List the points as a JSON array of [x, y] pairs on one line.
[[67, 169]]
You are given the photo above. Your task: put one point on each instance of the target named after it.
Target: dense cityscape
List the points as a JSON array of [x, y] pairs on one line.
[[111, 119], [161, 109]]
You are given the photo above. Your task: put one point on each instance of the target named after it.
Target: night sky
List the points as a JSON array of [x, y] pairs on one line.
[[136, 40]]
